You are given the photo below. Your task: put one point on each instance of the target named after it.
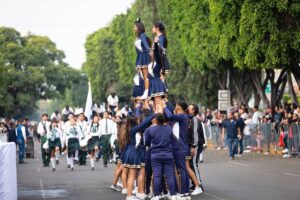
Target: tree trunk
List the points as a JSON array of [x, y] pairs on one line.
[[291, 89], [256, 79]]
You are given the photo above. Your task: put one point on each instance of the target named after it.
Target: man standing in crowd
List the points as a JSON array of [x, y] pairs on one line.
[[21, 140], [112, 102], [42, 129], [66, 112], [196, 142], [241, 124], [106, 130], [233, 133]]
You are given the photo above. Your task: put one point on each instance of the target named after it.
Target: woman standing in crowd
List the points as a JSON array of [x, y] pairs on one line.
[[142, 50], [54, 137], [93, 142], [72, 141]]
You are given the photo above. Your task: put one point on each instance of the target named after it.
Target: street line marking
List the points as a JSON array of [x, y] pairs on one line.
[[213, 196], [38, 169], [295, 175], [42, 188], [240, 164]]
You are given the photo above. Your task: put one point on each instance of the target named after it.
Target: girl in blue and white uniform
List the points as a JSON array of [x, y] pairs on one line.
[[143, 53]]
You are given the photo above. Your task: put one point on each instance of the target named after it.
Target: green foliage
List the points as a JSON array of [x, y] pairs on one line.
[[205, 39], [32, 68]]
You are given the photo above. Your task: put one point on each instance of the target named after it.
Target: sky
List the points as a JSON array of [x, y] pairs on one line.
[[65, 22]]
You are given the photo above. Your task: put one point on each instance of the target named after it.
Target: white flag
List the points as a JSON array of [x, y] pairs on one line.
[[88, 105]]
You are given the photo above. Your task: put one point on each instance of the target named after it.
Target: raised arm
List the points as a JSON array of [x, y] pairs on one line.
[[143, 125], [171, 116]]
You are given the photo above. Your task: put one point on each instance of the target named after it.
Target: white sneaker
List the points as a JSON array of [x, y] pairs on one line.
[[247, 151], [155, 198], [285, 151], [114, 187], [267, 153], [141, 196], [124, 191], [149, 196], [145, 95], [198, 190], [167, 196], [173, 197], [119, 184], [135, 191], [286, 156], [131, 198]]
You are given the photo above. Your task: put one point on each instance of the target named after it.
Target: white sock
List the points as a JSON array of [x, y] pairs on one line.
[[201, 156], [92, 162], [71, 162], [68, 160], [57, 156], [53, 162], [76, 155]]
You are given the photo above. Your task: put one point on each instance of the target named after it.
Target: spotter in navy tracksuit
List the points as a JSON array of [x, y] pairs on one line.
[[159, 139], [180, 144]]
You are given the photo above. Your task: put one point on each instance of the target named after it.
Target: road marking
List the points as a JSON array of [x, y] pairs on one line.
[[42, 188], [213, 196], [38, 169], [240, 164], [295, 175]]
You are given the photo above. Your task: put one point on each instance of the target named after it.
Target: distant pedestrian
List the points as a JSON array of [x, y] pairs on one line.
[[21, 140]]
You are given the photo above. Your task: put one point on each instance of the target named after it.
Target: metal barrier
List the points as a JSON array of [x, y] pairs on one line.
[[263, 137]]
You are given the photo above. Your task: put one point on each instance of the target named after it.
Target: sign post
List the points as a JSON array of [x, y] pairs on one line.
[[224, 100]]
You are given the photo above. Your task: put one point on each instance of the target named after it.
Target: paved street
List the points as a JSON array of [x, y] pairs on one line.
[[250, 177]]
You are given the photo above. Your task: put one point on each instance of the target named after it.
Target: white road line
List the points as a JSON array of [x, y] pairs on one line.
[[295, 175], [214, 196], [42, 188], [240, 164]]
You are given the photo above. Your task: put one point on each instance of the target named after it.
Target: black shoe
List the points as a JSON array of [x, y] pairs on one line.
[[105, 165], [53, 169], [75, 162], [93, 168], [21, 162], [201, 161], [45, 165], [69, 166], [57, 162], [72, 169]]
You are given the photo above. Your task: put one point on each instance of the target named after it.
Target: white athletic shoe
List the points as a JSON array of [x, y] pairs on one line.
[[167, 196], [141, 196], [135, 191], [149, 196], [115, 187], [198, 190], [173, 197], [131, 198], [155, 198], [285, 151], [124, 191], [119, 184], [286, 156], [267, 153]]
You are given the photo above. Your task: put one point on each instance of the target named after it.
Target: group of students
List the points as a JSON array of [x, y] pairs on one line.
[[159, 147], [78, 138]]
